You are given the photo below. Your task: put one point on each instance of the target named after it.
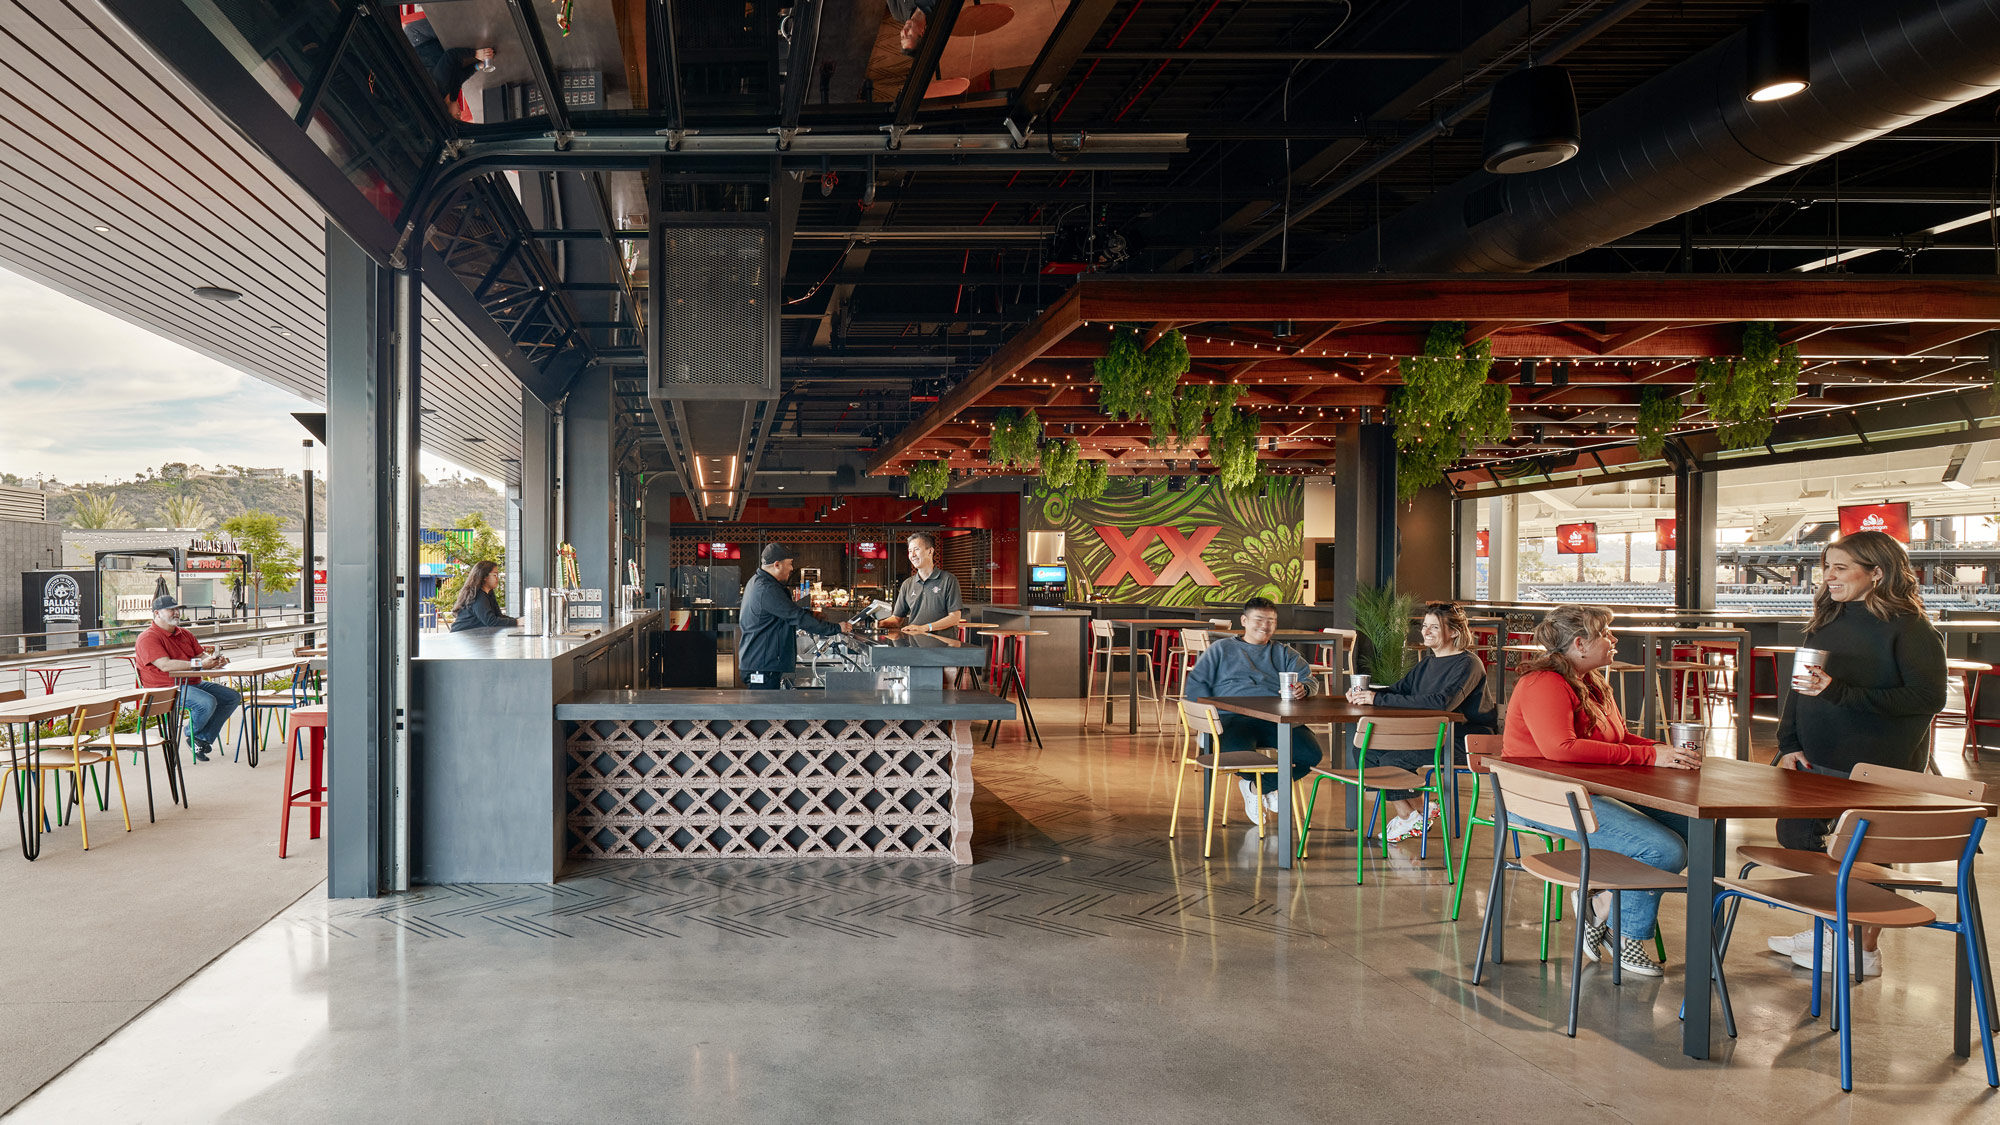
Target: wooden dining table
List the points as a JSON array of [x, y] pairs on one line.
[[253, 669], [24, 746], [1320, 710], [1725, 789]]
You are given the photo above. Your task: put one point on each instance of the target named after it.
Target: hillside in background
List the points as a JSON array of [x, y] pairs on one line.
[[234, 489]]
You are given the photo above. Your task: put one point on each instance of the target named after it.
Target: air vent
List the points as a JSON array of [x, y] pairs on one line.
[[718, 316], [1488, 201]]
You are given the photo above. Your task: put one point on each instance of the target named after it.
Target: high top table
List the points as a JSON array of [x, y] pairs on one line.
[[1649, 717], [1316, 710], [1133, 627], [1710, 797]]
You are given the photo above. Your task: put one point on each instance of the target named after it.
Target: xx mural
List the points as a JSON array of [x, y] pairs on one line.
[[1179, 548]]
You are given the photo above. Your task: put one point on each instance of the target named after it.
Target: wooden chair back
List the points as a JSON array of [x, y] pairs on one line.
[[1100, 628], [1386, 733], [1483, 746], [1201, 718], [90, 718], [1915, 782], [1222, 623], [1196, 641], [1928, 836], [1543, 799], [155, 702]]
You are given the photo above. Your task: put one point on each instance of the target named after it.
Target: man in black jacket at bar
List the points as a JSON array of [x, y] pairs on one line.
[[771, 621]]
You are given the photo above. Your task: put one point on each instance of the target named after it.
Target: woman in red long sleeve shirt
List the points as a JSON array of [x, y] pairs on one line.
[[1562, 710]]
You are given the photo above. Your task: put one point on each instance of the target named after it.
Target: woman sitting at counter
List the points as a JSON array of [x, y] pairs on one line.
[[1453, 679], [476, 607]]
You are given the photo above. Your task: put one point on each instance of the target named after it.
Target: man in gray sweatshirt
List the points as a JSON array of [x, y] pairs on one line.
[[1249, 665]]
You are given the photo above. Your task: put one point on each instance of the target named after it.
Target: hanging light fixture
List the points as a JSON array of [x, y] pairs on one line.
[[1532, 122], [1778, 52]]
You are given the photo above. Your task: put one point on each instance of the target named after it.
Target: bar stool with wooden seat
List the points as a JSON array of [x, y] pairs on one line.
[[152, 706], [1203, 720], [310, 718], [1104, 650], [76, 757], [1385, 733], [1587, 870]]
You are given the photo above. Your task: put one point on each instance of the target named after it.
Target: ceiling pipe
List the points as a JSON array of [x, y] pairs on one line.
[[1689, 136]]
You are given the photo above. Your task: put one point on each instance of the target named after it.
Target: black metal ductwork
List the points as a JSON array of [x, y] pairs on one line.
[[1689, 137]]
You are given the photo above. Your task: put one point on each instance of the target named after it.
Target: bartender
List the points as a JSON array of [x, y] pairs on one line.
[[771, 621], [928, 601]]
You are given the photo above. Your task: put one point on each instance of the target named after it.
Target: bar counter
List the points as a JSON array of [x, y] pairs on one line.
[[657, 774]]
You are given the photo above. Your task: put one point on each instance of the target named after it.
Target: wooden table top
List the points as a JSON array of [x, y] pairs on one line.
[[993, 632], [35, 708], [1162, 623], [1680, 631], [1289, 636], [1957, 665], [263, 667], [1724, 789], [1316, 709]]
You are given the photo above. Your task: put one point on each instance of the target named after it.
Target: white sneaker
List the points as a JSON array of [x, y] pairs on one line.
[[1253, 803], [1271, 800], [1789, 944], [1871, 959], [1403, 827]]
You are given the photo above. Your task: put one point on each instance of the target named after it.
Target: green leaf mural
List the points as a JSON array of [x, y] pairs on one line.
[[1257, 552]]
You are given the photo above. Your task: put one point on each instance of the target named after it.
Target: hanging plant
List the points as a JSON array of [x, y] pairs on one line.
[[1092, 478], [1060, 459], [929, 479], [1232, 447], [1135, 383], [1016, 441], [1659, 413], [1745, 395], [1444, 406]]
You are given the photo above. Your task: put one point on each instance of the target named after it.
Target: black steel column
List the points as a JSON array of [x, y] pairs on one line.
[[1364, 513], [306, 601], [1694, 538], [590, 490], [656, 507], [536, 545]]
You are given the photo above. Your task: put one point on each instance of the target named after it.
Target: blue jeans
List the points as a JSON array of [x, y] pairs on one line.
[[1241, 732], [1647, 835], [209, 705]]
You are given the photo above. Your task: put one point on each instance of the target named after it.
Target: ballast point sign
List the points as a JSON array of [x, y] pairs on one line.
[[62, 599], [1576, 539], [1891, 519]]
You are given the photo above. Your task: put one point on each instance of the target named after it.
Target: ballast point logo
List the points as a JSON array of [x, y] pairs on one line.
[[1874, 523]]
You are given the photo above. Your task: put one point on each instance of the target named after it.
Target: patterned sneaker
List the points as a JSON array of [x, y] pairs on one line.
[[1595, 933], [1404, 827], [1636, 956]]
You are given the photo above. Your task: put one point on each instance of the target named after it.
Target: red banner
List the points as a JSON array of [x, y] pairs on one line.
[[319, 587], [1576, 539], [1665, 536], [1893, 519], [1484, 544]]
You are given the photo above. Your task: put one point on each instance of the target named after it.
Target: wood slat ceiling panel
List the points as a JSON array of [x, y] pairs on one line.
[[94, 130]]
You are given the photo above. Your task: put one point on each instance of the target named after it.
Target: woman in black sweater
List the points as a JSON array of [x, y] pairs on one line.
[[1873, 699], [477, 608], [1453, 679]]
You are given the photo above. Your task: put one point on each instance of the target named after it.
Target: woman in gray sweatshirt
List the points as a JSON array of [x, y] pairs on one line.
[[1453, 679]]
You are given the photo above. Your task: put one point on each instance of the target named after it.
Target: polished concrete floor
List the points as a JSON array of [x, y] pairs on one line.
[[1084, 969]]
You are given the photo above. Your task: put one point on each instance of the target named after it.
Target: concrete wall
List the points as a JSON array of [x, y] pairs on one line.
[[23, 546]]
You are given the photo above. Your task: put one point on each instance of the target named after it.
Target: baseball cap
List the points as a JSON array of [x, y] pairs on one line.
[[773, 552], [165, 601]]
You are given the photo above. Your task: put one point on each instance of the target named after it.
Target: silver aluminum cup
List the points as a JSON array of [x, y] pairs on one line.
[[1688, 736], [1806, 658], [1357, 680], [1286, 681], [531, 611]]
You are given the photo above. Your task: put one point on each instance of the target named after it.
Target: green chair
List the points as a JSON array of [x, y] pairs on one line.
[[1383, 733]]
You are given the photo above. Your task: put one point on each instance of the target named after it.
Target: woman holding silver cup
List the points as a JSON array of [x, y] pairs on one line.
[[1452, 679], [1865, 691]]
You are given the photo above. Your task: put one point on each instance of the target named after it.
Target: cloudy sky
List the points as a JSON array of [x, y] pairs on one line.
[[88, 397]]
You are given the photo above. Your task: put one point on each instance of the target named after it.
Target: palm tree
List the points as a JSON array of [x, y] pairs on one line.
[[96, 512], [185, 512]]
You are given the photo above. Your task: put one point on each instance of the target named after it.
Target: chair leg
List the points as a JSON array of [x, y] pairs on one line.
[[118, 775], [1576, 973], [1180, 782], [1465, 849], [1312, 800], [1495, 914], [1617, 934], [1843, 999], [1721, 982], [147, 758], [1208, 816], [82, 806], [1975, 960]]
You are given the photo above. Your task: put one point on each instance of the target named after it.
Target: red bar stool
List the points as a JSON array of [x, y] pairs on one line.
[[313, 796]]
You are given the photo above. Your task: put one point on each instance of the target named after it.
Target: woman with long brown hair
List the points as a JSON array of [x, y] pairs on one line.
[[476, 607], [1871, 700], [1452, 678], [1562, 710]]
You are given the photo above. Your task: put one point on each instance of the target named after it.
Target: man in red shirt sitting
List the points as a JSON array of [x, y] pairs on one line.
[[165, 647]]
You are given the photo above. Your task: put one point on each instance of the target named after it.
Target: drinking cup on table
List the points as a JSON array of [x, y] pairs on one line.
[[1357, 681], [1288, 683], [1804, 662], [1688, 736]]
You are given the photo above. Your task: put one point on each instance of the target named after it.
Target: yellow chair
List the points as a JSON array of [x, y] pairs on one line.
[[1199, 719], [152, 707], [74, 758]]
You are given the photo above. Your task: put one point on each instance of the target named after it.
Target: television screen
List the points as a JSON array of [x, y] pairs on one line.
[[1576, 539], [1894, 519], [1048, 574]]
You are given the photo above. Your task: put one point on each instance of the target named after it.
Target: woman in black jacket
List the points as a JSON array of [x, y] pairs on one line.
[[477, 608], [1873, 699]]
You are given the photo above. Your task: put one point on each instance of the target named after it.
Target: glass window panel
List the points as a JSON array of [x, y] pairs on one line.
[[282, 43]]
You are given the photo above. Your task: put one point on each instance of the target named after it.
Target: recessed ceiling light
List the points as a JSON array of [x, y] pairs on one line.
[[485, 365], [475, 441], [101, 229], [216, 293]]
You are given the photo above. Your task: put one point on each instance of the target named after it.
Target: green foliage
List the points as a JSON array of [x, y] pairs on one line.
[[1092, 478], [486, 544], [1140, 384], [447, 501], [1016, 441], [1060, 459], [263, 535], [1382, 618], [185, 512], [929, 479], [1232, 447], [1745, 395], [1659, 413], [1444, 406], [96, 511]]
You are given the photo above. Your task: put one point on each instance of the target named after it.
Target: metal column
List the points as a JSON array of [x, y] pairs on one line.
[[589, 485], [533, 554], [1465, 550], [371, 318], [1364, 513], [1694, 538]]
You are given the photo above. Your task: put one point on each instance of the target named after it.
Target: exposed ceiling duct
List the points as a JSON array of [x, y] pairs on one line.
[[1691, 136]]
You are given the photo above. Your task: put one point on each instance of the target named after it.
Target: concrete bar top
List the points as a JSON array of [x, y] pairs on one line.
[[1030, 610], [805, 704], [508, 642], [921, 650]]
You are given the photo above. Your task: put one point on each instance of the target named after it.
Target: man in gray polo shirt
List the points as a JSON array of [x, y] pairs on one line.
[[928, 601]]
